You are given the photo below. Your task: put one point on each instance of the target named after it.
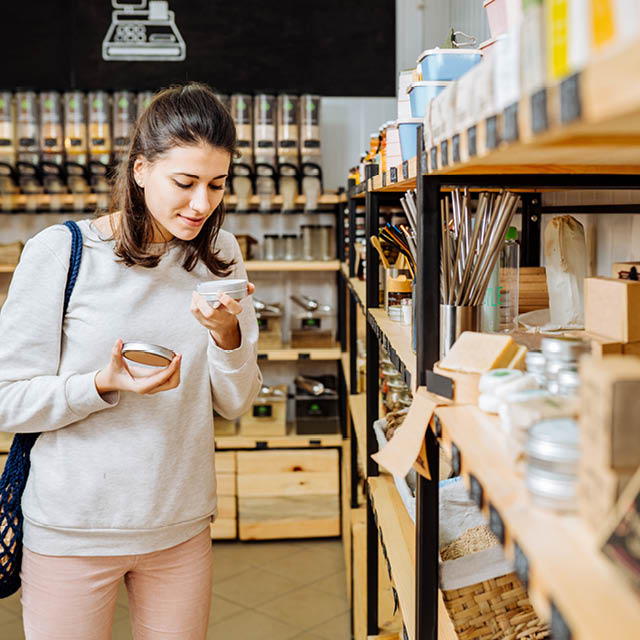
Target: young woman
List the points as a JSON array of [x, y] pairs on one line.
[[122, 480]]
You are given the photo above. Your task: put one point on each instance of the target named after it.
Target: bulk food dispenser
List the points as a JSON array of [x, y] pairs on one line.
[[52, 147], [311, 154], [313, 327], [28, 131], [100, 145], [242, 166], [264, 149], [124, 120], [144, 98], [288, 150], [7, 150], [76, 147]]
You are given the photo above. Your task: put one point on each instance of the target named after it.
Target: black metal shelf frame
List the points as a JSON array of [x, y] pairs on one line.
[[429, 193]]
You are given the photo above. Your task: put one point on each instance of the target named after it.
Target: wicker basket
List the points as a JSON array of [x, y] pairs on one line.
[[496, 609]]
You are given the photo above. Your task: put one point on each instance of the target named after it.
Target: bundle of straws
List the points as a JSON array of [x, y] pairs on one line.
[[471, 246], [403, 237]]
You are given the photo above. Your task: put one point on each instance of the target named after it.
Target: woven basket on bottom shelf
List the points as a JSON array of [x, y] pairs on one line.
[[496, 609]]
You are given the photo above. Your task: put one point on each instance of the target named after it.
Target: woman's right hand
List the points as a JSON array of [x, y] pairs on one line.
[[118, 375]]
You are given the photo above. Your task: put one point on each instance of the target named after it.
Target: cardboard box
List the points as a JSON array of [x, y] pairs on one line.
[[612, 308], [598, 491], [609, 410], [601, 346]]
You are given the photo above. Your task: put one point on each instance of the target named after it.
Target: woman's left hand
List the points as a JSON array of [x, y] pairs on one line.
[[221, 321]]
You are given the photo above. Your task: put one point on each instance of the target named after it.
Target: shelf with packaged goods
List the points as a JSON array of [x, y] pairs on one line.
[[325, 199], [359, 191], [292, 265], [587, 124], [358, 409], [396, 339], [400, 178], [292, 441], [288, 355], [556, 554], [399, 538]]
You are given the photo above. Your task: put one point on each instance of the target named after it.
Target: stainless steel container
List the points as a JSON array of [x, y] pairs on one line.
[[269, 247], [561, 354], [308, 252], [568, 382], [454, 321], [552, 450], [291, 243], [535, 363]]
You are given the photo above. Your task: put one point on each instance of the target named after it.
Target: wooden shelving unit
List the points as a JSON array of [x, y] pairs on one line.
[[7, 268], [560, 549], [359, 288], [288, 355], [291, 265], [292, 441]]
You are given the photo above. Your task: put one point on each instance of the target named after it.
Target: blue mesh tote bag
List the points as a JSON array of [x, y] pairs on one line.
[[16, 470]]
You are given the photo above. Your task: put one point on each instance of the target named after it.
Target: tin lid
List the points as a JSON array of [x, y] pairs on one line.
[[568, 381], [534, 361], [557, 488], [231, 287], [566, 349], [152, 355], [555, 441], [446, 52]]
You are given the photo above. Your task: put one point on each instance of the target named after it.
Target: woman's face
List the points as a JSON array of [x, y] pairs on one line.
[[183, 188]]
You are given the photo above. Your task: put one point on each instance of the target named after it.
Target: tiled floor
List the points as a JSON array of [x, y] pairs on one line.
[[280, 590]]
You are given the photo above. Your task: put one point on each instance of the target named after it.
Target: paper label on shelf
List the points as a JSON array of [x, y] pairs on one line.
[[403, 449], [427, 131], [449, 102], [532, 50], [465, 110], [557, 23], [507, 70], [438, 123], [602, 23], [484, 102]]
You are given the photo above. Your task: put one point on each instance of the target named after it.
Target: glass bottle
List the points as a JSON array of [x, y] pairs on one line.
[[509, 280]]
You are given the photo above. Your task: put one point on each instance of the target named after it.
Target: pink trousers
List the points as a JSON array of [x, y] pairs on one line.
[[74, 598]]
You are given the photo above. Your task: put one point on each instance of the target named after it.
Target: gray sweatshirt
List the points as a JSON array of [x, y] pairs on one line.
[[127, 473]]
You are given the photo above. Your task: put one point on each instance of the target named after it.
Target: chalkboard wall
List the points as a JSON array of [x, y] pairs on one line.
[[329, 47]]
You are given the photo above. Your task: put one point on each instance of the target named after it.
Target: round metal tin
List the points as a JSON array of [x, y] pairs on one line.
[[553, 445], [234, 288], [151, 355], [565, 349]]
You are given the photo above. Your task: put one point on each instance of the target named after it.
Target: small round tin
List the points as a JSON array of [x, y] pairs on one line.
[[535, 365], [553, 445], [565, 349], [234, 288], [151, 355], [552, 490], [568, 382]]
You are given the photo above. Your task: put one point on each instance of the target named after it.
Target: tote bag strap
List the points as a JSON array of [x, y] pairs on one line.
[[74, 261]]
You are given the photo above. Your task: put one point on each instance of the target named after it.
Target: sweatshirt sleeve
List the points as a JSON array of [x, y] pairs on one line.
[[235, 376], [33, 397]]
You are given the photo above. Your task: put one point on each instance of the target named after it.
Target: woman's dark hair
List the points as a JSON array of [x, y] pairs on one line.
[[178, 116]]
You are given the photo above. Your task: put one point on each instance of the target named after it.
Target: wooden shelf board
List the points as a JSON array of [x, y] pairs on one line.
[[398, 534], [346, 369], [360, 288], [565, 564], [325, 199], [399, 335], [402, 185], [291, 265], [279, 442], [358, 408], [286, 355], [344, 268], [7, 268]]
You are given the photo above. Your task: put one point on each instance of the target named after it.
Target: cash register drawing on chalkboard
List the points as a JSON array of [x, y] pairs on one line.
[[141, 33]]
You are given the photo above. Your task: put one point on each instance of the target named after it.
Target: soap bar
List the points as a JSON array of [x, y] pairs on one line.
[[518, 361], [475, 352], [612, 308]]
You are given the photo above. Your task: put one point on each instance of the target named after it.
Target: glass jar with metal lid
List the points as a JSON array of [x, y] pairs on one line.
[[552, 450], [561, 354], [393, 400]]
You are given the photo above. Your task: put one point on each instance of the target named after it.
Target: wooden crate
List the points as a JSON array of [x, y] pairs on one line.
[[225, 525], [288, 494]]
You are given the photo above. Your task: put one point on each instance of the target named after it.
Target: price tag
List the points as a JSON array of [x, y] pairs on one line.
[[495, 523], [263, 356], [261, 444], [570, 107], [444, 153], [437, 425], [384, 179], [492, 132], [475, 491], [539, 121], [559, 628], [434, 158], [472, 141], [304, 356], [393, 173], [423, 163], [455, 459], [455, 148], [315, 442], [405, 170], [510, 123], [522, 565]]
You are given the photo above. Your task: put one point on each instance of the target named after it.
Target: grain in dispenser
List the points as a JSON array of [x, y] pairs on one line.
[[264, 149], [288, 149], [310, 151], [100, 145], [242, 167], [52, 147], [124, 120], [75, 128], [144, 99]]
